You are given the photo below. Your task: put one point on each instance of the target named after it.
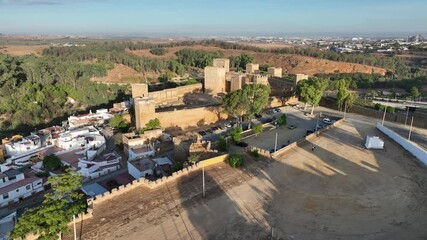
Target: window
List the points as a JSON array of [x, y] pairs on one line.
[[28, 187], [12, 178], [6, 196]]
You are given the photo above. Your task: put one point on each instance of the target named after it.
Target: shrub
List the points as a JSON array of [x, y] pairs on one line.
[[282, 120], [52, 162], [158, 51], [236, 160], [222, 144], [258, 128], [255, 153]]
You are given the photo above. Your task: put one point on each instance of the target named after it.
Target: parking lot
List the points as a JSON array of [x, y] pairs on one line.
[[285, 135]]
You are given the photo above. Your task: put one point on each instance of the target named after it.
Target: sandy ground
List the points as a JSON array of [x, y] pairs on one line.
[[338, 191], [20, 50]]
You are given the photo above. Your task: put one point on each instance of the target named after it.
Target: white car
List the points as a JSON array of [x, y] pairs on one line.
[[327, 121]]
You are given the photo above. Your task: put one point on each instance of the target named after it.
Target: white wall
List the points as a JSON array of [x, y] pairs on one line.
[[415, 150], [14, 195], [134, 171]]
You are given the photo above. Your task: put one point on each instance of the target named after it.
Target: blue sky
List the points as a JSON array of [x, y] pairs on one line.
[[212, 17]]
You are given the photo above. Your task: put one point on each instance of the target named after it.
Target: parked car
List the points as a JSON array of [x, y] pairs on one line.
[[308, 132], [278, 110], [269, 112], [242, 144], [268, 120], [292, 127], [203, 133], [327, 121]]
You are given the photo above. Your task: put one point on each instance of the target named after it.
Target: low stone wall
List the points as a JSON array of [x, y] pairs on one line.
[[409, 146], [159, 182]]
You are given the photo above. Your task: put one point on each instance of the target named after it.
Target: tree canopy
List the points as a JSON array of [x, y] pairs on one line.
[[52, 216], [117, 121], [248, 101], [239, 62], [311, 91], [52, 162]]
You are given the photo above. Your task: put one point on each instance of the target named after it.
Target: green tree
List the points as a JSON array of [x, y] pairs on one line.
[[282, 120], [236, 160], [117, 121], [152, 124], [52, 162], [239, 62], [342, 92], [158, 51], [52, 216], [258, 128], [248, 101], [222, 144], [311, 91], [236, 134], [193, 158], [166, 77], [415, 92]]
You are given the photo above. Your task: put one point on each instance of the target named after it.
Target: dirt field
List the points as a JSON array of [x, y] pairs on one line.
[[123, 74], [20, 50], [290, 63], [338, 191]]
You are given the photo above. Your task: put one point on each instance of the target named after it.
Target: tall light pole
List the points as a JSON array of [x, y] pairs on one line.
[[345, 108], [74, 223], [275, 143], [407, 113], [410, 129], [385, 110]]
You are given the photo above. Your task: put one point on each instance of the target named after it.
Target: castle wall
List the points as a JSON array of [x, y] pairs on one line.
[[252, 68], [275, 72], [190, 117], [171, 94], [139, 90], [222, 63], [214, 80]]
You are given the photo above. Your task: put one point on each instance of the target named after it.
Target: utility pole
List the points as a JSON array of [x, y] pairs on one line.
[[74, 223], [203, 170], [317, 123], [407, 113], [410, 129], [275, 143], [385, 110]]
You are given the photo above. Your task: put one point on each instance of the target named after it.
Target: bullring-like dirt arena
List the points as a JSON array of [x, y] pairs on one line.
[[338, 191]]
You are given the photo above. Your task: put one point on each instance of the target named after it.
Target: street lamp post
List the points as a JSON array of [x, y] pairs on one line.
[[407, 113], [410, 129], [385, 110], [275, 143]]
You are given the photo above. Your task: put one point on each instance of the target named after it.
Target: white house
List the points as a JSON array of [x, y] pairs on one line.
[[93, 167], [146, 167], [99, 117], [87, 137], [141, 151], [141, 168], [15, 187]]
